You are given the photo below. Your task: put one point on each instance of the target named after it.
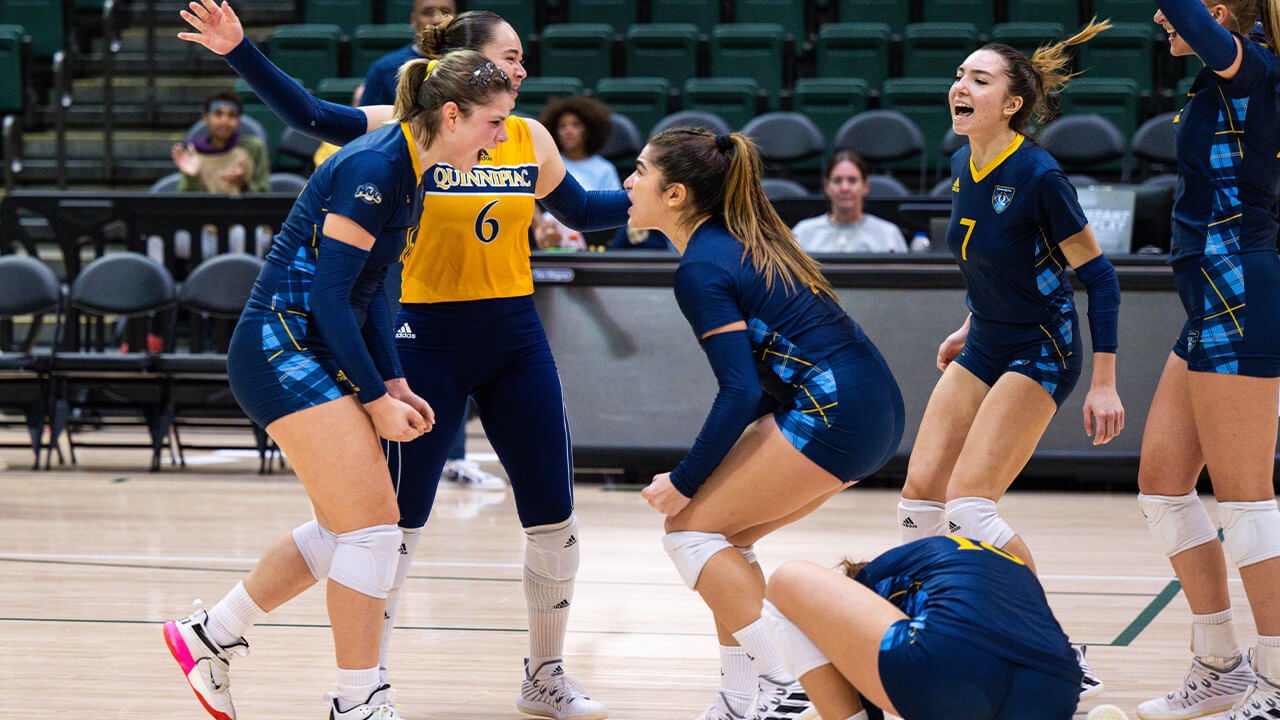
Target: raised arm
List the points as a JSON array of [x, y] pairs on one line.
[[565, 198], [219, 30]]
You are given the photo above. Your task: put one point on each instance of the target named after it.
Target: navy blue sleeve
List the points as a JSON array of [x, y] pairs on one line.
[[586, 211], [1058, 207], [1099, 278], [338, 265], [378, 336], [1213, 43], [299, 109], [366, 186], [705, 294], [736, 406]]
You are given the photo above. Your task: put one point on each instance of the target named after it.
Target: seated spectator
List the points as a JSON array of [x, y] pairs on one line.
[[380, 81], [224, 160], [580, 127], [847, 228]]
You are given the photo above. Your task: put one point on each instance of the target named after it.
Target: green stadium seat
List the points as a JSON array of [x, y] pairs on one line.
[[830, 101], [705, 14], [924, 101], [618, 13], [936, 49], [370, 42], [520, 14], [753, 50], [981, 13], [308, 52], [788, 13], [1124, 11], [12, 87], [894, 13], [1126, 50], [642, 99], [583, 50], [1065, 12], [857, 49], [338, 90], [41, 19], [1116, 99], [1025, 37], [668, 50], [731, 98], [346, 14], [536, 91]]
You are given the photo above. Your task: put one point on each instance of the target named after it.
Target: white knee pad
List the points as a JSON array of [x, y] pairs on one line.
[[365, 559], [749, 552], [920, 519], [797, 652], [316, 544], [1250, 531], [1179, 522], [551, 551], [976, 518], [690, 550]]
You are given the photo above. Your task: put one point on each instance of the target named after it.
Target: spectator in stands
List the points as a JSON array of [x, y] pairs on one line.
[[805, 407], [848, 228], [223, 160], [580, 126], [313, 360], [380, 81]]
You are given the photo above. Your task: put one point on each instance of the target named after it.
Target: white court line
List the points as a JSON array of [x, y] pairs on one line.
[[144, 559]]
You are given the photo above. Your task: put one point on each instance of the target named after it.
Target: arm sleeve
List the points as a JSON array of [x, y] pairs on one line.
[[292, 103], [736, 406], [584, 210], [337, 267], [261, 180], [1099, 278], [1213, 43], [378, 336]]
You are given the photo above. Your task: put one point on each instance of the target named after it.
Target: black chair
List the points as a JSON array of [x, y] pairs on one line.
[[692, 118], [785, 140], [775, 187], [285, 182], [624, 143], [166, 184], [886, 186], [883, 136], [96, 381], [27, 287], [1083, 143], [212, 297], [299, 146], [1154, 145]]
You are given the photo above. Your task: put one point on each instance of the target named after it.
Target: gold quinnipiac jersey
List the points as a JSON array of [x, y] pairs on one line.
[[473, 238]]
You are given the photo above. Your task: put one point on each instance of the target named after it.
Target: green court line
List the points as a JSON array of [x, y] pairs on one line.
[[1148, 614]]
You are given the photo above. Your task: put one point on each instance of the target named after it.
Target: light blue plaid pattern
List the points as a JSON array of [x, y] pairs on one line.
[[815, 385], [1221, 331], [1225, 158]]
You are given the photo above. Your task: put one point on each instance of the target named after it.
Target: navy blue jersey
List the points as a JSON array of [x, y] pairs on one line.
[[374, 182], [1229, 174], [977, 593], [1007, 220], [384, 73]]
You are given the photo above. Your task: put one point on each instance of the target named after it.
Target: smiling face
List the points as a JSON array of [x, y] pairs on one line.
[[1177, 46], [979, 98], [432, 12], [507, 52], [223, 120]]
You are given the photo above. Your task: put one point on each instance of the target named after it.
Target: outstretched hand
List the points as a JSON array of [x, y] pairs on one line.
[[186, 159], [217, 27]]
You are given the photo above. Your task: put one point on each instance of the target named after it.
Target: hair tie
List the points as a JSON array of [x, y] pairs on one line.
[[431, 66], [724, 143]]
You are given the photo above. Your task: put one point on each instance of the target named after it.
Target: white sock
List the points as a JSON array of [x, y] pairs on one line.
[[754, 638], [1266, 658], [860, 715], [232, 617], [548, 604], [919, 519], [355, 686], [408, 546], [1213, 640], [737, 678]]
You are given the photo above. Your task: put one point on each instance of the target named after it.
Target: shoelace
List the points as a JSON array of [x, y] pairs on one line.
[[559, 689]]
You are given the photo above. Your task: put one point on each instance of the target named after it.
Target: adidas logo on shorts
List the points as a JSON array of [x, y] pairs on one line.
[[405, 333]]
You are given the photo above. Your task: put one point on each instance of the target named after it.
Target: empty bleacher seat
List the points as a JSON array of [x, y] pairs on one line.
[[1125, 11], [883, 137], [692, 118], [642, 99], [1126, 50], [346, 14], [12, 73], [785, 140], [1116, 99], [924, 101], [1064, 12], [1025, 37], [1154, 146], [536, 91], [936, 49], [370, 42], [617, 13], [1083, 143], [307, 52], [43, 20], [751, 49], [829, 101], [858, 50], [338, 90], [581, 50], [787, 13], [731, 98], [894, 13], [669, 50], [981, 13], [705, 14]]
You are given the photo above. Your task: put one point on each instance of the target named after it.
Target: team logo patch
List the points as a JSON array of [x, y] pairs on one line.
[[369, 193], [1001, 198]]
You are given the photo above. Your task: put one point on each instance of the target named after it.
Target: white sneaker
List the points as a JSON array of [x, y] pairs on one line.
[[205, 663], [778, 701], [1261, 702], [548, 692], [720, 710], [377, 707], [467, 473], [1090, 685], [1204, 691]]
